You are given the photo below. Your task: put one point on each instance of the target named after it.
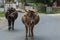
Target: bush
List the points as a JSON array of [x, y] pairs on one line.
[[41, 8]]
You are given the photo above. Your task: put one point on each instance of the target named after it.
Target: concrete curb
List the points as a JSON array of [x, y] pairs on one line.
[[53, 14]]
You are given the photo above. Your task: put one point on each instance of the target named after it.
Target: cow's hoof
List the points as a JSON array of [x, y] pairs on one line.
[[12, 28], [29, 36], [26, 38], [9, 28]]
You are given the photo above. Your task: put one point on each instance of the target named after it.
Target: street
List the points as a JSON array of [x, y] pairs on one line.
[[48, 28]]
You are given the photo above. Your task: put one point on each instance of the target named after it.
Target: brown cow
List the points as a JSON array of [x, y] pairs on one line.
[[11, 15], [29, 19]]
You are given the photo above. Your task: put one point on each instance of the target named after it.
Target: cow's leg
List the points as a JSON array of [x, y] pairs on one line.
[[26, 38], [26, 30], [32, 31], [29, 31], [13, 25], [9, 24]]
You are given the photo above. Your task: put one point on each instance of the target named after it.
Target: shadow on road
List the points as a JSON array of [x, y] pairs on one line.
[[32, 38], [37, 38], [13, 31]]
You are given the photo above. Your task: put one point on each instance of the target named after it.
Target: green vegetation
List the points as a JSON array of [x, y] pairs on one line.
[[40, 5], [2, 14], [48, 2], [53, 12], [9, 0]]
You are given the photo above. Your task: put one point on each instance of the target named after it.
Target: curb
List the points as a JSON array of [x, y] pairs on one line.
[[53, 14]]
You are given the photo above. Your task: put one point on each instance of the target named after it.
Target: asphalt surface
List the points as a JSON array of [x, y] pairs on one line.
[[48, 28]]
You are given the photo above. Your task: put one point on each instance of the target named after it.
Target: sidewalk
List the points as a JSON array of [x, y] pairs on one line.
[[3, 22]]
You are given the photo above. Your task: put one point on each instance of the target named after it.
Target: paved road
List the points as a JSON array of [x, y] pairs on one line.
[[47, 29]]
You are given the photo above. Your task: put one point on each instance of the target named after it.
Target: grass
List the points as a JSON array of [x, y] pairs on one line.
[[2, 14], [54, 12]]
